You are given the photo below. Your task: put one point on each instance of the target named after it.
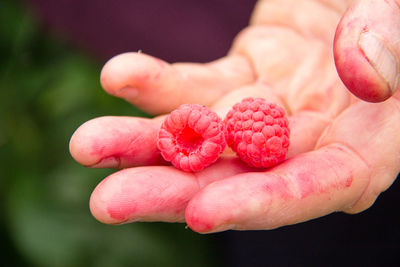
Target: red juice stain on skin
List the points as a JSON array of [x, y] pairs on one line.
[[198, 224], [277, 186], [104, 150], [125, 152], [139, 197], [120, 210], [306, 185], [117, 214], [309, 185], [105, 157], [110, 161], [344, 172], [331, 178], [355, 78], [348, 181], [97, 148]]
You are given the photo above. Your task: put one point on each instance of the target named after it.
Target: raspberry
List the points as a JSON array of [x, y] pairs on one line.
[[192, 137], [258, 132]]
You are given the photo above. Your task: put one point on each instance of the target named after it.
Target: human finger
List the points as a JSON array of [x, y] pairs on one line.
[[159, 87], [116, 142], [154, 193], [302, 188], [367, 50]]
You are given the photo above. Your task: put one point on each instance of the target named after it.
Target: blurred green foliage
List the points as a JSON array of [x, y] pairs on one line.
[[47, 90]]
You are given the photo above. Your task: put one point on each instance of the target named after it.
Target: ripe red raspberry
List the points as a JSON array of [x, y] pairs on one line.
[[258, 132], [192, 137]]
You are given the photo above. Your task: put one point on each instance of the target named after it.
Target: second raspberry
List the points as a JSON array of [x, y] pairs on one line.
[[258, 131]]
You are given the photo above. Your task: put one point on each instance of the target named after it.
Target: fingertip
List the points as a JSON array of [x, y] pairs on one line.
[[98, 206], [139, 79], [360, 78], [221, 206], [365, 50], [110, 204], [143, 194], [201, 219], [128, 70], [116, 142], [80, 144]]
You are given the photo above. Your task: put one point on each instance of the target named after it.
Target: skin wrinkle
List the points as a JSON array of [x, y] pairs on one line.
[[333, 169], [251, 66], [196, 176], [217, 67], [352, 151], [118, 157], [295, 187], [282, 100], [161, 200], [373, 64], [347, 150], [289, 181], [247, 60], [101, 162], [131, 144], [249, 32], [256, 32], [203, 177], [300, 84], [128, 154]]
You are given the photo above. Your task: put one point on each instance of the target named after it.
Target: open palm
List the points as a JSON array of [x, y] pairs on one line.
[[344, 152]]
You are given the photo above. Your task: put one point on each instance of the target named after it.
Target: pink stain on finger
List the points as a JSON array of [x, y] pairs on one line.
[[227, 203], [359, 77], [312, 176], [116, 142], [300, 189], [145, 193], [366, 51]]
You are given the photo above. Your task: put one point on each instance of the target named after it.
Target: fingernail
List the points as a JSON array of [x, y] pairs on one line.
[[221, 228], [110, 162], [137, 219], [381, 58], [128, 92]]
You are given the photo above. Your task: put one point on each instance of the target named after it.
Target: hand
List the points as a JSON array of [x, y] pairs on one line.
[[344, 152]]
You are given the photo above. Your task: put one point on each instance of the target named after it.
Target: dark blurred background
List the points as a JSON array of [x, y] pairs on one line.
[[51, 54]]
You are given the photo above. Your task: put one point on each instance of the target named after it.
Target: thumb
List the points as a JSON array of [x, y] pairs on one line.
[[367, 49]]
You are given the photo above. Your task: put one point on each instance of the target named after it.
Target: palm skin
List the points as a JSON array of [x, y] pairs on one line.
[[344, 151]]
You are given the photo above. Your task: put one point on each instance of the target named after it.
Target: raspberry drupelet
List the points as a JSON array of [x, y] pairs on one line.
[[192, 137], [258, 132]]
